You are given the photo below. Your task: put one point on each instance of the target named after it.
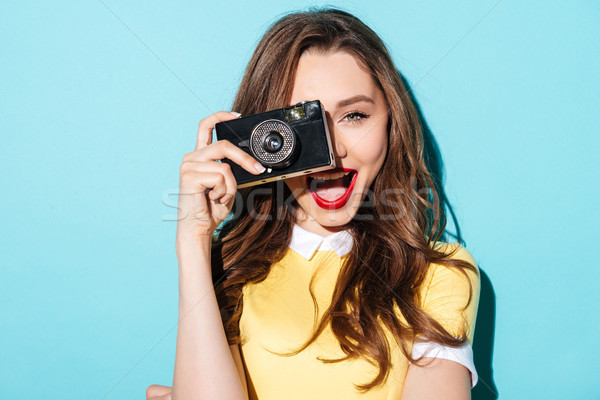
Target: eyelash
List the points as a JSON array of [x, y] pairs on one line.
[[362, 116]]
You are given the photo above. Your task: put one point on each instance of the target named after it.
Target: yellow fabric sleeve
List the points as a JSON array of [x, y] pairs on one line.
[[446, 293]]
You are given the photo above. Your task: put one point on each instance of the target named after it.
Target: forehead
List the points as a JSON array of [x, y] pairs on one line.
[[331, 76]]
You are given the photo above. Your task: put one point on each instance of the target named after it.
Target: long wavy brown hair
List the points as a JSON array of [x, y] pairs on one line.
[[393, 234]]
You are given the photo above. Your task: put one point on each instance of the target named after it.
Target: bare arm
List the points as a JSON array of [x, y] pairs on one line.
[[206, 367], [440, 379], [161, 392]]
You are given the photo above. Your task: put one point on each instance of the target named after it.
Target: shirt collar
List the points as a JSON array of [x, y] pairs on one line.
[[307, 243]]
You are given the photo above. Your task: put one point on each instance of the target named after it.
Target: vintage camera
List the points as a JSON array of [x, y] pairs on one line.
[[289, 141]]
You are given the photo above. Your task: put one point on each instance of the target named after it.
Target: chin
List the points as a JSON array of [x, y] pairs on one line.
[[329, 218], [334, 219]]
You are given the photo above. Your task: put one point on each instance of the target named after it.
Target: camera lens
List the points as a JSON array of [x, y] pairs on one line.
[[273, 142]]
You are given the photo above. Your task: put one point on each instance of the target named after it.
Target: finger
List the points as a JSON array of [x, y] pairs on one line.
[[157, 390], [225, 149], [200, 183], [207, 125], [164, 397], [218, 191]]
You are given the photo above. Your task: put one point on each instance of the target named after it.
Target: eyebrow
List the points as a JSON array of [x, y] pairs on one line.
[[355, 99]]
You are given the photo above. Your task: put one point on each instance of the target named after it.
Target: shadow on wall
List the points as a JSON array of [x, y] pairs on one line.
[[483, 341]]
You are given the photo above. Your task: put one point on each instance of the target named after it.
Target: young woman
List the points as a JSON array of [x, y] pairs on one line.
[[343, 291]]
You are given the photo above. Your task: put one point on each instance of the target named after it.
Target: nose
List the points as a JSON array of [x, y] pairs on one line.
[[339, 148], [337, 141]]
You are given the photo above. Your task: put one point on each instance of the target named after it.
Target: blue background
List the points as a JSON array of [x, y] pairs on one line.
[[100, 100]]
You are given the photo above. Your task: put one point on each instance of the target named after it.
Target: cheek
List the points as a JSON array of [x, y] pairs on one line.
[[372, 150]]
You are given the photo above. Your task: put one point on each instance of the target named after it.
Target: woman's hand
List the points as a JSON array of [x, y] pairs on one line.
[[206, 187], [158, 392]]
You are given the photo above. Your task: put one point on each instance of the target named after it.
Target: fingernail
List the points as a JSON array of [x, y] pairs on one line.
[[235, 114], [259, 167], [225, 199]]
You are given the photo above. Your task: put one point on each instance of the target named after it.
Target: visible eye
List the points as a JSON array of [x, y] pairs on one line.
[[355, 117]]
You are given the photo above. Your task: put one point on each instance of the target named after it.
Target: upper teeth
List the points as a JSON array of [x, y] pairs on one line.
[[327, 177]]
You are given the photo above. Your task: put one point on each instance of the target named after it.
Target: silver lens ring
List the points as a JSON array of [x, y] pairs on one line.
[[264, 129]]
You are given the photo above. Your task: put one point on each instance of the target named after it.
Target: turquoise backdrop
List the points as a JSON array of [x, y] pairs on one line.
[[100, 100]]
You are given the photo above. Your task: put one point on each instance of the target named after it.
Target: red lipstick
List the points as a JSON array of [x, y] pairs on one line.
[[341, 201]]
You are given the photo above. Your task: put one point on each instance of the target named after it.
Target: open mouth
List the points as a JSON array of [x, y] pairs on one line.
[[331, 189]]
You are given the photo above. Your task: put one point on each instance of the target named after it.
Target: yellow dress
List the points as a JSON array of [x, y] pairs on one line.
[[279, 314]]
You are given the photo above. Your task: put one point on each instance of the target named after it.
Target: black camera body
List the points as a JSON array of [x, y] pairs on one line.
[[289, 141]]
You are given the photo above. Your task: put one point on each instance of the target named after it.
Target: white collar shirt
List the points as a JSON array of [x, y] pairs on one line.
[[307, 243]]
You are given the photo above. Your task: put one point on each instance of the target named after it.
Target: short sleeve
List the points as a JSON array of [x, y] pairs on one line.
[[452, 298]]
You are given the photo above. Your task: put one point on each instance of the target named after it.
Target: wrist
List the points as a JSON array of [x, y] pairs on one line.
[[193, 248]]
